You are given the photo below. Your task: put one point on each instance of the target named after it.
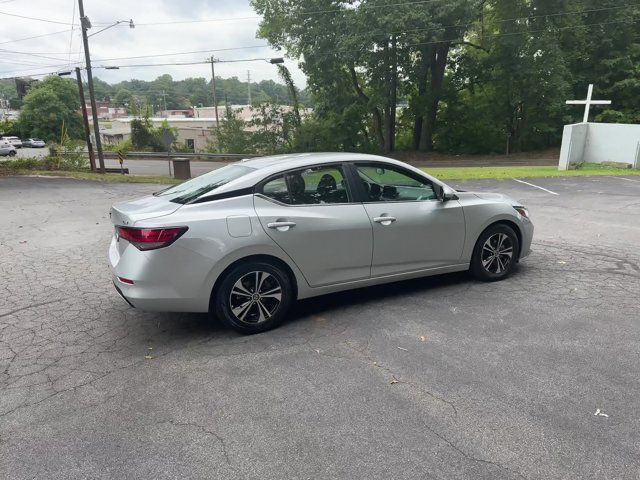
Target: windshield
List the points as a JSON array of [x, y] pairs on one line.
[[196, 187]]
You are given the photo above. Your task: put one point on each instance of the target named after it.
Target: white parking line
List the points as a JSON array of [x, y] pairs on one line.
[[627, 179], [535, 186]]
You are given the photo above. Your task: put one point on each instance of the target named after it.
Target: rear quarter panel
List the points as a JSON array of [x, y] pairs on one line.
[[218, 236]]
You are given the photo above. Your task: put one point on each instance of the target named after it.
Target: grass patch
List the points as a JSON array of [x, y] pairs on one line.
[[33, 167], [97, 177], [500, 173]]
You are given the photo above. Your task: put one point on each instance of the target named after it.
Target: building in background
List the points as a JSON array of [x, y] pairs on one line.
[[193, 133], [106, 111]]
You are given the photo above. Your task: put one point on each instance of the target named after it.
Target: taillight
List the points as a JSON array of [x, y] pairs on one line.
[[150, 238]]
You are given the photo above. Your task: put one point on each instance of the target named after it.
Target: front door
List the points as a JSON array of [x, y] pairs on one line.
[[310, 214], [412, 230]]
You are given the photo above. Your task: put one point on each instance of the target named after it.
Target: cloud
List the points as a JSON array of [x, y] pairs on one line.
[[231, 36]]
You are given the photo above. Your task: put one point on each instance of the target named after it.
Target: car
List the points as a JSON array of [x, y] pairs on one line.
[[33, 143], [247, 240], [6, 149], [15, 141]]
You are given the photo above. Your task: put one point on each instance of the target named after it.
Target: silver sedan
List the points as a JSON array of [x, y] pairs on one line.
[[245, 241]]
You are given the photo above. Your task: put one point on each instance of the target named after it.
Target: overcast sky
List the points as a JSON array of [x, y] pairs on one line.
[[215, 25]]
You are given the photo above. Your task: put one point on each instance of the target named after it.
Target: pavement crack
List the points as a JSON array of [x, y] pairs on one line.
[[471, 457], [34, 305]]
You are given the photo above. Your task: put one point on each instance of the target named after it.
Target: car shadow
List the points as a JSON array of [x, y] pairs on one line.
[[190, 325], [376, 293]]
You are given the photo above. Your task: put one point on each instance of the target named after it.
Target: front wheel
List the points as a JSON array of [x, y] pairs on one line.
[[12, 153], [495, 254], [253, 297]]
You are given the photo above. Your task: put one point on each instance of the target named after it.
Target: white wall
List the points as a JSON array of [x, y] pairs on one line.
[[600, 142], [573, 142]]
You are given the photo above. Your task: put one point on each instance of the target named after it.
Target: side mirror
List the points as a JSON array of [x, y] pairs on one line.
[[443, 195]]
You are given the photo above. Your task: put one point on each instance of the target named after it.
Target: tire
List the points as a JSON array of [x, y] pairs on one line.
[[498, 239], [12, 153], [240, 305]]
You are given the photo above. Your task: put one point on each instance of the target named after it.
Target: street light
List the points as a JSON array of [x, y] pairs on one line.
[[130, 22]]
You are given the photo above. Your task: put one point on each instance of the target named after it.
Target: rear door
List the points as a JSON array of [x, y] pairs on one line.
[[311, 215], [412, 230]]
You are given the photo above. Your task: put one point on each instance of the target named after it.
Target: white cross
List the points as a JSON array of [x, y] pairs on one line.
[[588, 102]]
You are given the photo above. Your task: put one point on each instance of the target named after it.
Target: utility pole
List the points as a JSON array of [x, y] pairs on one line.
[[85, 117], [164, 102], [213, 85], [86, 24], [249, 85]]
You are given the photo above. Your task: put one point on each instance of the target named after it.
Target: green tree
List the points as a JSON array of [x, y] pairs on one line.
[[374, 52], [123, 98], [51, 105], [232, 136]]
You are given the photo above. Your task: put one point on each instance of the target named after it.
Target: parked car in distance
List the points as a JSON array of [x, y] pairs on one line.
[[15, 141], [6, 149], [33, 143], [247, 240]]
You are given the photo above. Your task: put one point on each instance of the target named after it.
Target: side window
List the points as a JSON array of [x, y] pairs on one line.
[[386, 183], [309, 186]]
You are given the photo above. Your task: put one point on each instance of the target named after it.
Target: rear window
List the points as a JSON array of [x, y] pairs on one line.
[[207, 183]]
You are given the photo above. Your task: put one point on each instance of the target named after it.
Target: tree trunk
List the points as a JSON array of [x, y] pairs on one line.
[[393, 102], [422, 90], [438, 67], [375, 111]]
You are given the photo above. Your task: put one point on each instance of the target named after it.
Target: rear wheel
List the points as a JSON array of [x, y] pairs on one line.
[[495, 254], [253, 297]]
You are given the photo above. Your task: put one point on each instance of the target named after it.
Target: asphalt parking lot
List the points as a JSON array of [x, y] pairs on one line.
[[433, 378]]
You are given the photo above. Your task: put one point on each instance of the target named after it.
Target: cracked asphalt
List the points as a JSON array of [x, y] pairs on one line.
[[442, 377]]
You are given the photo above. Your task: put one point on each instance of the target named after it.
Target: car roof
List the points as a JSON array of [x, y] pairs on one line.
[[300, 160]]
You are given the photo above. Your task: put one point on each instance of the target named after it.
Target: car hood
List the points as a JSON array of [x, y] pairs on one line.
[[128, 213], [495, 197]]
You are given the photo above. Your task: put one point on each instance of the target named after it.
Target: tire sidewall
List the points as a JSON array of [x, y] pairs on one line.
[[476, 262], [222, 308]]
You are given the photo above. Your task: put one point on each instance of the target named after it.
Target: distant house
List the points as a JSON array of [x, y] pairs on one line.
[[194, 133], [186, 113], [106, 111]]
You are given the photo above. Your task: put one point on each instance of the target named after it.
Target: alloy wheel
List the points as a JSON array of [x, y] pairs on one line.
[[497, 253], [255, 297]]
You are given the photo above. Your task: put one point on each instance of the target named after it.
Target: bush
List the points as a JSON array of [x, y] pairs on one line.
[[123, 146]]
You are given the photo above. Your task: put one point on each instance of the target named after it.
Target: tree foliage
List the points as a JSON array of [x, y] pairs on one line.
[[455, 75], [183, 94], [50, 108]]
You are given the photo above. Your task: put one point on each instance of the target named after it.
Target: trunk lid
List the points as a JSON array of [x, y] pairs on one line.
[[145, 208]]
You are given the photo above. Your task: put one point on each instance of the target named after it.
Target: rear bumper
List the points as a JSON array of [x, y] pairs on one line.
[[122, 295], [164, 280]]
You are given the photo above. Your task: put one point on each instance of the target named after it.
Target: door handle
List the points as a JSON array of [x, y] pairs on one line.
[[385, 220], [281, 226]]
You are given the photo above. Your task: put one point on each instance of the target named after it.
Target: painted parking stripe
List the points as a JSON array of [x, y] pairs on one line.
[[627, 179], [536, 186]]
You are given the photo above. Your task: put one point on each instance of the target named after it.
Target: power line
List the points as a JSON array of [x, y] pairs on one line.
[[33, 18], [73, 19], [36, 36], [304, 12], [451, 40], [183, 53]]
